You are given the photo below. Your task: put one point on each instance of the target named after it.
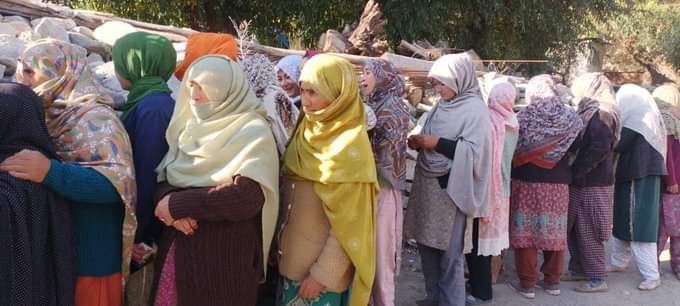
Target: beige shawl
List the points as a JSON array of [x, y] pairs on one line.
[[234, 139]]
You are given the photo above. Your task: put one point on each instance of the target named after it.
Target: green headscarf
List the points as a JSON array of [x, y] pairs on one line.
[[147, 61]]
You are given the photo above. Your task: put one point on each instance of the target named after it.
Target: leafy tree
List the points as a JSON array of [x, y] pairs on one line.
[[305, 19], [503, 29], [518, 29], [649, 31], [653, 25]]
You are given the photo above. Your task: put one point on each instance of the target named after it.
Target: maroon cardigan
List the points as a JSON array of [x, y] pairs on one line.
[[221, 263]]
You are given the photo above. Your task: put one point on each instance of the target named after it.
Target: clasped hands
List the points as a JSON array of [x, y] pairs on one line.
[[185, 225]]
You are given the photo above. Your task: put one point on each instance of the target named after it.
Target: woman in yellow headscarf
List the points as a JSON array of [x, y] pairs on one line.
[[219, 191], [327, 241]]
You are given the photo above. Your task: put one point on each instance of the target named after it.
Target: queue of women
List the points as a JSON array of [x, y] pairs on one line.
[[257, 174]]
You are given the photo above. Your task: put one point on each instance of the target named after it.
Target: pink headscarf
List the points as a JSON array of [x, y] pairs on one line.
[[493, 230]]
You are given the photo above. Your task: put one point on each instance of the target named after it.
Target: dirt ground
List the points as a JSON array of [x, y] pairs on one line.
[[622, 287]]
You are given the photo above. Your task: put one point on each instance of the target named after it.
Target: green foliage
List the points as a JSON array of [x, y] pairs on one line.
[[518, 29], [305, 19], [157, 11], [496, 29], [652, 26]]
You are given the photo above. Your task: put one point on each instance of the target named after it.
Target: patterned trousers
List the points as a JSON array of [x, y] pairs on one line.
[[588, 228]]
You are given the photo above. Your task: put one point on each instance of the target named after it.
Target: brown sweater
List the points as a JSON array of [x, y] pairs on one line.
[[221, 263]]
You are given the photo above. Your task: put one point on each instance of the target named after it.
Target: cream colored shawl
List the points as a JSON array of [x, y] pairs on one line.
[[234, 139]]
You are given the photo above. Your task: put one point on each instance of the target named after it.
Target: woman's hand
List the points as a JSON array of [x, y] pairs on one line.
[[163, 211], [310, 289], [673, 189], [141, 253], [186, 225], [27, 165], [427, 142]]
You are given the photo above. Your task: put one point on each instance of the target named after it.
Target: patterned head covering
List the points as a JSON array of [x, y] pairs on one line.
[[290, 65], [86, 133], [547, 127], [281, 110], [541, 86], [201, 44], [388, 80], [147, 61], [392, 118], [594, 92], [65, 66], [259, 72], [668, 100], [331, 148]]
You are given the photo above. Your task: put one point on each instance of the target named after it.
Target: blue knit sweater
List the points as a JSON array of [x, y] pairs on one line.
[[97, 213], [146, 125]]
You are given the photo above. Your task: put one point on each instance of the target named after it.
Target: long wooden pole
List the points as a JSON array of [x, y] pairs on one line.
[[90, 19]]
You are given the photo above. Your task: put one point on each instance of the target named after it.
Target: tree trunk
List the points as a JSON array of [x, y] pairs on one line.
[[660, 70]]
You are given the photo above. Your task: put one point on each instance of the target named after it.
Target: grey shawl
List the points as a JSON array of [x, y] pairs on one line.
[[465, 118]]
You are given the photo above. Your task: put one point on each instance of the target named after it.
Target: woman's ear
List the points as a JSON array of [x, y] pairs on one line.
[[124, 83]]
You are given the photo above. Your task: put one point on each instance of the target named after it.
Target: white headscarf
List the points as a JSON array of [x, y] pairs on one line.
[[668, 100], [640, 114], [290, 65]]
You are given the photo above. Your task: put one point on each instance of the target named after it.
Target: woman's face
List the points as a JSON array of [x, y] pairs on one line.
[[29, 77], [444, 91], [124, 83], [197, 94], [292, 89], [367, 83], [311, 100]]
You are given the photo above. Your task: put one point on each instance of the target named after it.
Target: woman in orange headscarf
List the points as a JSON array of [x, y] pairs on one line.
[[201, 44]]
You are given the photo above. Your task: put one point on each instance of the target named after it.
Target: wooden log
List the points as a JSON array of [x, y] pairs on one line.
[[35, 9], [371, 28], [414, 49], [426, 52], [334, 42], [407, 64], [274, 52], [185, 32], [32, 9]]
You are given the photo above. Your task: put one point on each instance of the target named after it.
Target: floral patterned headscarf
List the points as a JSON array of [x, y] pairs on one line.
[[86, 133], [547, 127], [65, 65], [280, 108], [388, 80]]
